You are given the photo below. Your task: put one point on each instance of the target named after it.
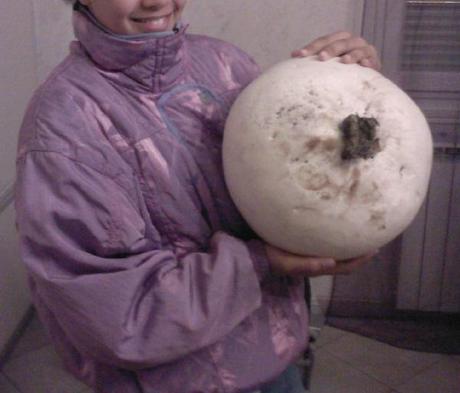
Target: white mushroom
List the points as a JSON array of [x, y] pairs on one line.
[[326, 159]]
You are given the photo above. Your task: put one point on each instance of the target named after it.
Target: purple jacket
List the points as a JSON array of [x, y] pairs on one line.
[[140, 266]]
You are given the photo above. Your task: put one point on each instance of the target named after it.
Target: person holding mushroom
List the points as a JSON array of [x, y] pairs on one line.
[[141, 267]]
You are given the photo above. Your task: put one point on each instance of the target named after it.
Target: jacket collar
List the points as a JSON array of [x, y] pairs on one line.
[[154, 62]]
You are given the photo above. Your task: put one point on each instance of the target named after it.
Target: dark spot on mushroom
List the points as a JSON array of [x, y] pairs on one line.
[[280, 112], [293, 108], [353, 188], [312, 181], [366, 85], [316, 182], [359, 137], [284, 148], [378, 218], [372, 195], [355, 179], [356, 174], [312, 143], [330, 144]]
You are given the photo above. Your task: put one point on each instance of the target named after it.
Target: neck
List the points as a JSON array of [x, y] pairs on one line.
[[156, 63]]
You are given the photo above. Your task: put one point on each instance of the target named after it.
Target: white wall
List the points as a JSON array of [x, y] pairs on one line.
[[270, 29], [34, 36], [17, 80], [53, 33]]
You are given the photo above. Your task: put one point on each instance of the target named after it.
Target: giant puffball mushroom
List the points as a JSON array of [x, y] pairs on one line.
[[325, 158]]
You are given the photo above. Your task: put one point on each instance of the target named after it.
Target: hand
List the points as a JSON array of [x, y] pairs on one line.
[[349, 48], [285, 263]]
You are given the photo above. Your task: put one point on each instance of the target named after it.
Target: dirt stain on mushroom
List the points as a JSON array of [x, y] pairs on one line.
[[312, 181], [377, 218], [401, 170], [280, 112], [326, 145], [372, 195], [293, 108], [285, 148], [330, 144], [312, 143], [275, 135], [355, 179]]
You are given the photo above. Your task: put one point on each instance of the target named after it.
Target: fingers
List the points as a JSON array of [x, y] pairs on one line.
[[358, 54], [285, 263], [320, 44], [353, 48], [350, 265], [366, 56], [314, 267], [372, 62], [366, 257], [349, 48]]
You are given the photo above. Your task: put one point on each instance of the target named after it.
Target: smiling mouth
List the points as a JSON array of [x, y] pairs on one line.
[[153, 24], [155, 20]]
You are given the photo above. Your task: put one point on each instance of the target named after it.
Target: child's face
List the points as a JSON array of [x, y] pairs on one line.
[[136, 16]]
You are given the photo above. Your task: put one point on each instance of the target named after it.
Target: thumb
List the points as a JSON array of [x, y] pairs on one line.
[[319, 266]]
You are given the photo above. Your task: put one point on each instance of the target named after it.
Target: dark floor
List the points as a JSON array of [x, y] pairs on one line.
[[345, 363]]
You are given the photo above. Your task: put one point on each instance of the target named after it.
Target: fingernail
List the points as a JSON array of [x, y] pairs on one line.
[[323, 55]]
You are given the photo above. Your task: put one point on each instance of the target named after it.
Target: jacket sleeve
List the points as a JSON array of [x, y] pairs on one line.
[[120, 297]]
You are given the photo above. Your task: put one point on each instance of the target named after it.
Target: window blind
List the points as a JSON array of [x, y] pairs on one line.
[[431, 40]]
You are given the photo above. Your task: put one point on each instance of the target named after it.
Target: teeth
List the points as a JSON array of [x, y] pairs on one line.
[[158, 21], [155, 21]]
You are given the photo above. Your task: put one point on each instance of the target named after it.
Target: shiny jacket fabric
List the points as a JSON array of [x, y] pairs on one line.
[[140, 266]]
